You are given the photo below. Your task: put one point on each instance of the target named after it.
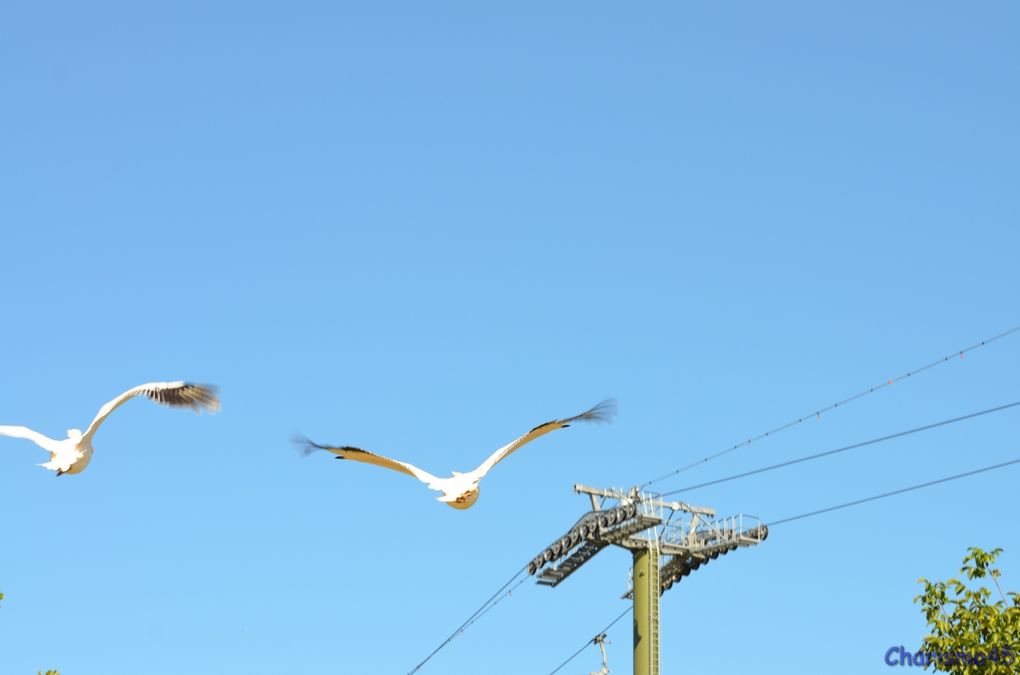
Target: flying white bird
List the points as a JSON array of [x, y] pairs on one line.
[[461, 490], [72, 454]]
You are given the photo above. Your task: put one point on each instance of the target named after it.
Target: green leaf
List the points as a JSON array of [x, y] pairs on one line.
[[970, 622]]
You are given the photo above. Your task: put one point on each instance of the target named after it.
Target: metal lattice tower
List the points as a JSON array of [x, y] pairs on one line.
[[685, 536]]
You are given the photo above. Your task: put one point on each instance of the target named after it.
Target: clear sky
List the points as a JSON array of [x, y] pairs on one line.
[[424, 228]]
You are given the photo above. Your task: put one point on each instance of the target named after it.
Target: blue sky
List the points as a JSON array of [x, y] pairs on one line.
[[425, 229]]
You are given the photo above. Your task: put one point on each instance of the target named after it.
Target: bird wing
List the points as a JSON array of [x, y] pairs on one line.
[[44, 442], [359, 455], [602, 412], [198, 397]]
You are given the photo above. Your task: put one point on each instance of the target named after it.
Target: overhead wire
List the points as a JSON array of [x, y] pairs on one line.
[[583, 647], [504, 592], [845, 448], [508, 593], [493, 600], [837, 507], [892, 493], [818, 412]]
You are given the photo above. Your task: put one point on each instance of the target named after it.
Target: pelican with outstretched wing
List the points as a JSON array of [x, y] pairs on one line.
[[461, 490], [72, 454]]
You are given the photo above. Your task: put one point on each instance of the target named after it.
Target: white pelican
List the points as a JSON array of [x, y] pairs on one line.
[[461, 490], [72, 454]]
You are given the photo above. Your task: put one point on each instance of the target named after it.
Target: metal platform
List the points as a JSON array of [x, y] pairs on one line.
[[686, 536]]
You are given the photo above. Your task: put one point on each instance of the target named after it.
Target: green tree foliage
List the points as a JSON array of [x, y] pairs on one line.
[[970, 634]]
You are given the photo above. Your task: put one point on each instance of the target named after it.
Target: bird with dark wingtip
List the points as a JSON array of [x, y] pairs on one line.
[[461, 489], [73, 454]]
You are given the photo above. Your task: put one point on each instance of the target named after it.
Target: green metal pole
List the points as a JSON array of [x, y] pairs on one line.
[[646, 611]]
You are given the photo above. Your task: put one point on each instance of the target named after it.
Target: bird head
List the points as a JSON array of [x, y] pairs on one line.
[[74, 435]]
